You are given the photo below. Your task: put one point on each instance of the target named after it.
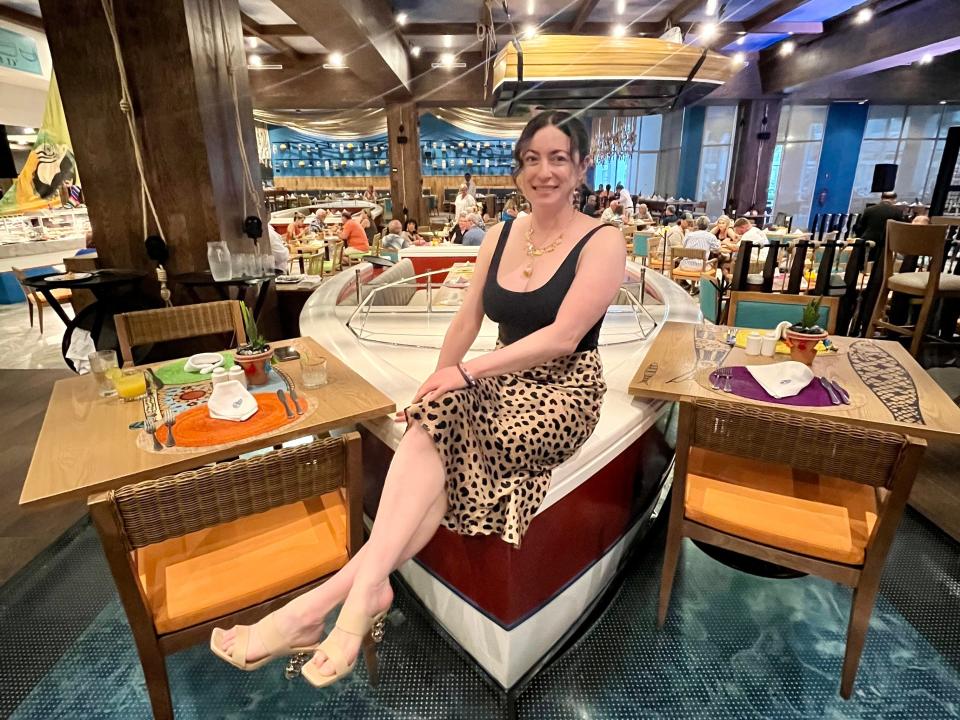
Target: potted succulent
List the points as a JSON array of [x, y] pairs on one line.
[[802, 338], [254, 356]]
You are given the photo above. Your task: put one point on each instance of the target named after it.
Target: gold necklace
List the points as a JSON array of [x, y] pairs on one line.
[[534, 252]]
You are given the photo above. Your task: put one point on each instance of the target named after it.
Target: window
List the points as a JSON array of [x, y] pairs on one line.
[[908, 137], [796, 159], [638, 170], [668, 162], [718, 131]]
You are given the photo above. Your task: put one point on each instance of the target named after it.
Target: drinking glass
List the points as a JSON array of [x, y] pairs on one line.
[[218, 257], [130, 384], [313, 370], [100, 363], [269, 264]]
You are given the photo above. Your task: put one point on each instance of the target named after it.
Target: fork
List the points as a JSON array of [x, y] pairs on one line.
[[168, 419], [150, 426], [727, 375]]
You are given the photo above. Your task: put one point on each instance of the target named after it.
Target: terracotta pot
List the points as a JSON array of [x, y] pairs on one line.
[[803, 346], [254, 366]]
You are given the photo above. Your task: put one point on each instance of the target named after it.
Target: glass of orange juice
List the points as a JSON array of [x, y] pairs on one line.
[[130, 384]]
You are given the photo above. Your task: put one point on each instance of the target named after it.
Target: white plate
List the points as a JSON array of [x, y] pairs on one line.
[[69, 277], [288, 279]]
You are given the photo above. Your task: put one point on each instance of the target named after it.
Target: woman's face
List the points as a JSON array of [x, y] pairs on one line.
[[549, 172], [411, 227], [722, 225]]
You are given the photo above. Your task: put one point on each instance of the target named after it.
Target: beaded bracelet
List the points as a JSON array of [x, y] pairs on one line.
[[467, 377]]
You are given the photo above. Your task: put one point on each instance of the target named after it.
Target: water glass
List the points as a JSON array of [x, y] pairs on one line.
[[269, 264], [218, 257], [313, 370], [100, 363]]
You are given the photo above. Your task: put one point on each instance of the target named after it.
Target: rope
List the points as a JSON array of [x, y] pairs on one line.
[[126, 107]]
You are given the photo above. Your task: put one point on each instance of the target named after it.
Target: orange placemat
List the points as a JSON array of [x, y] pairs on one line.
[[195, 427]]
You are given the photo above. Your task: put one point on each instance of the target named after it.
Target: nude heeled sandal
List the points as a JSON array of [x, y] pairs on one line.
[[351, 622], [275, 644]]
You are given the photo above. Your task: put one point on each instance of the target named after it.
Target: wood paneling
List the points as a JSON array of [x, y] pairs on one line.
[[750, 174], [434, 183]]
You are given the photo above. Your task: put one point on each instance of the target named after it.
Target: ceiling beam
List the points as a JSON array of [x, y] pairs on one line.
[[252, 28], [770, 13], [855, 50], [683, 8], [365, 32], [587, 28], [583, 12], [21, 18], [283, 30]]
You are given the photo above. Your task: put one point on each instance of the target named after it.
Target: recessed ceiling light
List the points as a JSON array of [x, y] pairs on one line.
[[739, 58], [788, 47], [254, 60], [401, 18], [29, 131], [741, 40], [251, 42], [447, 41], [862, 102], [708, 31], [415, 51], [621, 7], [446, 59], [334, 61], [943, 102], [926, 59], [618, 30], [711, 8], [864, 15], [531, 7], [529, 31]]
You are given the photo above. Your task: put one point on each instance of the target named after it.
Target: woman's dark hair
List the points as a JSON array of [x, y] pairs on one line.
[[411, 220], [566, 123]]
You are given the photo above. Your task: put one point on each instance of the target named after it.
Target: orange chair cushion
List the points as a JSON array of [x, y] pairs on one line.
[[801, 512], [223, 569]]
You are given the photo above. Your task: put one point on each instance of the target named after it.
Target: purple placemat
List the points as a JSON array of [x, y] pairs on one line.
[[743, 384]]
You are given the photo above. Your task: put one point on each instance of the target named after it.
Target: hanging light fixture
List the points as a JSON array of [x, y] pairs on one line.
[[616, 137]]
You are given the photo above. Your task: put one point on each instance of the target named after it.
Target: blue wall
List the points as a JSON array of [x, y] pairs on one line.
[[444, 150], [838, 158], [691, 144]]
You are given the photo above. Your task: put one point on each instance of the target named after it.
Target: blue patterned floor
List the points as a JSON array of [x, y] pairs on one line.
[[735, 646]]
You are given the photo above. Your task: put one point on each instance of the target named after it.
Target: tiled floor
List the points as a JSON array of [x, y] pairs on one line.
[[23, 347], [735, 646]]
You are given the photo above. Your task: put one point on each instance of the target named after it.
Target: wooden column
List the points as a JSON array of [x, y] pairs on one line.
[[405, 179], [176, 58], [753, 155]]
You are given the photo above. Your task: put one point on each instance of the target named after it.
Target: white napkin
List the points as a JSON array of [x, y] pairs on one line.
[[783, 379], [230, 400]]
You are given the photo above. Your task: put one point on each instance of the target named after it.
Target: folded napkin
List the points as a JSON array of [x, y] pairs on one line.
[[230, 400], [781, 380]]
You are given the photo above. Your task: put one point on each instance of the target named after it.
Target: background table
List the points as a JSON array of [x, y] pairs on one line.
[[191, 281], [86, 444], [888, 388]]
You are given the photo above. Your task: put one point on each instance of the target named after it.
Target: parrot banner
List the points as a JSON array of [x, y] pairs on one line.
[[49, 165]]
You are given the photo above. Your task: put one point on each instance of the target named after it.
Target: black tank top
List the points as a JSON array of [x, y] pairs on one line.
[[521, 313]]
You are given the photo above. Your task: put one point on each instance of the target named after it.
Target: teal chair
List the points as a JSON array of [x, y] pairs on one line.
[[710, 299], [767, 310], [641, 249]]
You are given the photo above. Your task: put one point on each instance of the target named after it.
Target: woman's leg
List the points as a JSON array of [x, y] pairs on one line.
[[413, 503], [301, 620]]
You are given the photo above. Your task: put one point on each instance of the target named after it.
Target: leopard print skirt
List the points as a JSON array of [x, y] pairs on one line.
[[499, 441]]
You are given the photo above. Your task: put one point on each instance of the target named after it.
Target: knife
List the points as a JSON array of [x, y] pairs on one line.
[[844, 395], [157, 382], [834, 398], [286, 407], [293, 396]]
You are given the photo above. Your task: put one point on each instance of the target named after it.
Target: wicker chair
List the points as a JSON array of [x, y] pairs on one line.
[[175, 323], [819, 497], [35, 299], [227, 544], [692, 275]]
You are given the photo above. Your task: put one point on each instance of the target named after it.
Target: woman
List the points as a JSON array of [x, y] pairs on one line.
[[590, 206], [295, 230], [509, 211], [604, 196], [412, 233], [723, 231], [643, 215], [547, 279], [368, 225]]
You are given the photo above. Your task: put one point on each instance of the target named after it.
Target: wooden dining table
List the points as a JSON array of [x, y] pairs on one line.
[[89, 443], [888, 388]]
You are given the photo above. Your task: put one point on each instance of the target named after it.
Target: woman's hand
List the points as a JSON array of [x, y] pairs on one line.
[[442, 381]]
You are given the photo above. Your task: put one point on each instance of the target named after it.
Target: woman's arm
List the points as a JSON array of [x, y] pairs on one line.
[[598, 279]]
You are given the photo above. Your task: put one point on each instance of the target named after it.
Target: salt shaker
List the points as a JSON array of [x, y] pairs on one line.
[[768, 345], [236, 373], [218, 375], [754, 343]]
